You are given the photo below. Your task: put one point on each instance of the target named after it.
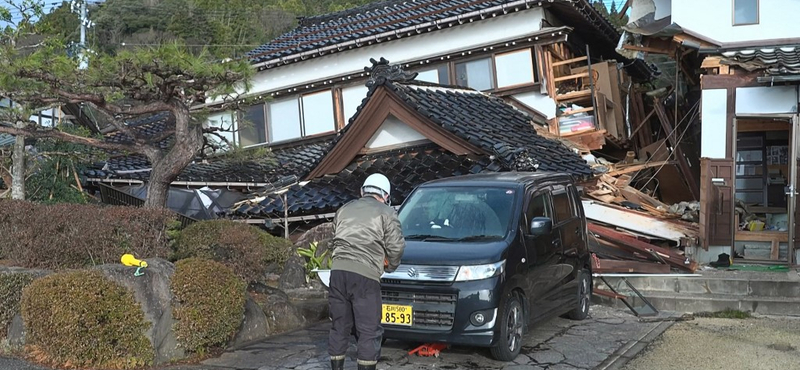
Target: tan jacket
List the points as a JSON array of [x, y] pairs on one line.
[[366, 232]]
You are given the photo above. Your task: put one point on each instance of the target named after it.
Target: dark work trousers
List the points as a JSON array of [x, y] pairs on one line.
[[355, 300]]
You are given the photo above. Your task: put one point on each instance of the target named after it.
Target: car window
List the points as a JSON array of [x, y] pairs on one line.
[[458, 212], [564, 208], [539, 206]]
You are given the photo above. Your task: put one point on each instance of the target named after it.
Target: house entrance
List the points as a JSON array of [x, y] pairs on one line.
[[765, 182]]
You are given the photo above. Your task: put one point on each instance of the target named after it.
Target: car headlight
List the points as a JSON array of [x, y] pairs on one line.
[[468, 273]]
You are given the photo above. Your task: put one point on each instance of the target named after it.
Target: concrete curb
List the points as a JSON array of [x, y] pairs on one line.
[[624, 354]]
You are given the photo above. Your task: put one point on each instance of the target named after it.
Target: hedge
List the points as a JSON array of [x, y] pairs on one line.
[[82, 319], [244, 248], [208, 306], [69, 236]]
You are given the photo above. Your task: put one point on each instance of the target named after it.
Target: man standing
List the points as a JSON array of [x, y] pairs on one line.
[[367, 233]]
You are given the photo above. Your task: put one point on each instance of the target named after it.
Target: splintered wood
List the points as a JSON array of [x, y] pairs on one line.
[[633, 232]]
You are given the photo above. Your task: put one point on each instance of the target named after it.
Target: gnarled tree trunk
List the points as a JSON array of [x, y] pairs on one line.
[[167, 166]]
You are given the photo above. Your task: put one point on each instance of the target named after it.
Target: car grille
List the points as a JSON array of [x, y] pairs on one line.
[[423, 273], [435, 311]]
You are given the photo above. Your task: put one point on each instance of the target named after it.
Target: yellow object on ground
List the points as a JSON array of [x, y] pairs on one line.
[[130, 260]]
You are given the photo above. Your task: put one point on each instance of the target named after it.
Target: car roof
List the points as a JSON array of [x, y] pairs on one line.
[[496, 179]]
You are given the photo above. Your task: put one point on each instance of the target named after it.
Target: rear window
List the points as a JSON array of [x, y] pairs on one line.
[[458, 213]]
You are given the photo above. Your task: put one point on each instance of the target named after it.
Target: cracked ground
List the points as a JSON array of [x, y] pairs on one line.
[[554, 345]]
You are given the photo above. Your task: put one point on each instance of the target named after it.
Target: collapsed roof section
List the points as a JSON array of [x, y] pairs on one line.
[[462, 130]]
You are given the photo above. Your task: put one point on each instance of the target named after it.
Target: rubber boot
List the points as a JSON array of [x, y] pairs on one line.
[[337, 364], [367, 367]]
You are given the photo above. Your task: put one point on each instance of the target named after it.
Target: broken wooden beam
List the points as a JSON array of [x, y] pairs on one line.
[[636, 245], [637, 167], [683, 163], [642, 223]]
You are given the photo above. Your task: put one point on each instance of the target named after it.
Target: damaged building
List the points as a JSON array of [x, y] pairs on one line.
[[746, 68]]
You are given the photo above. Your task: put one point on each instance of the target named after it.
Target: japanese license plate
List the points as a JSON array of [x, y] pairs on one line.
[[397, 315]]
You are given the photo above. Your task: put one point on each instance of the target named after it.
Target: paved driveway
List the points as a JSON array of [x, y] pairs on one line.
[[598, 342]]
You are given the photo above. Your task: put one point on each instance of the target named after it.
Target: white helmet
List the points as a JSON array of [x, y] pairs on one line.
[[377, 184]]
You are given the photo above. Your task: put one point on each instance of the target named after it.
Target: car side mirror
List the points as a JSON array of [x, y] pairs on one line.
[[541, 226]]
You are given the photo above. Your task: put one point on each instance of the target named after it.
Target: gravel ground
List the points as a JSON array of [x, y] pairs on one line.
[[730, 344]]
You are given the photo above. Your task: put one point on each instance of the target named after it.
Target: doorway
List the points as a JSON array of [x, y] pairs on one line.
[[765, 176]]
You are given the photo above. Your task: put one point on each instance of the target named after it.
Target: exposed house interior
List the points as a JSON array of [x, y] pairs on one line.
[[762, 172]]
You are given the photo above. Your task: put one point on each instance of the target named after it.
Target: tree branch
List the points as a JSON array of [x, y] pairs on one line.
[[60, 135]]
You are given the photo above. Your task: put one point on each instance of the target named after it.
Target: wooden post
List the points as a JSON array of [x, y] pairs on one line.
[[683, 164]]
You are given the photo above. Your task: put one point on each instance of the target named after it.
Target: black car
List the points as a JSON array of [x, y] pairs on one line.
[[486, 257]]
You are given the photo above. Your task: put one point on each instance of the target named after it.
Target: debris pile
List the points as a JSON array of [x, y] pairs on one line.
[[634, 232]]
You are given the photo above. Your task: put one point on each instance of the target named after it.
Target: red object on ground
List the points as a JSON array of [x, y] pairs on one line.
[[428, 349]]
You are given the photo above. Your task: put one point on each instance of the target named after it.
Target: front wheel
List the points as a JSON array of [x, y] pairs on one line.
[[584, 297], [511, 326]]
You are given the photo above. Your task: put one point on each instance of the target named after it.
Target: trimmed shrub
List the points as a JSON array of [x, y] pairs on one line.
[[72, 236], [209, 304], [244, 248], [11, 285], [82, 319]]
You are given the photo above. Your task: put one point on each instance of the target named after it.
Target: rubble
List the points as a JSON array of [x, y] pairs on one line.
[[632, 231]]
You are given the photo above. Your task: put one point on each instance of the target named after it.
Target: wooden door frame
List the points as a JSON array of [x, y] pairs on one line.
[[792, 120]]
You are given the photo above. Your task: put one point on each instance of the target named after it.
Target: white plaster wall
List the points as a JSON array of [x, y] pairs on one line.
[[714, 19], [766, 100], [538, 101], [640, 8], [393, 131], [714, 123], [443, 41]]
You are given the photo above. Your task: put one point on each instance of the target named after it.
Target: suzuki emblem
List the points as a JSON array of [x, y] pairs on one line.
[[412, 273]]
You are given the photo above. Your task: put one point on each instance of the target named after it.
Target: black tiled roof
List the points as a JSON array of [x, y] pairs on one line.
[[487, 122], [780, 60], [148, 127], [492, 125], [406, 168], [383, 19], [295, 160]]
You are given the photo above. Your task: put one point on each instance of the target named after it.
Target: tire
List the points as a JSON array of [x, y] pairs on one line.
[[512, 323], [584, 297]]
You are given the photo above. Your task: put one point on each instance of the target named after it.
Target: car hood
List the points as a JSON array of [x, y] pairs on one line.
[[453, 253]]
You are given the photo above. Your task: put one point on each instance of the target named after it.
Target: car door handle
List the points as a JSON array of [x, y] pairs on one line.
[[556, 242]]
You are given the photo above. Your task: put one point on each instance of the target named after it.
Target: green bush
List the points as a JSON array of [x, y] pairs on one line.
[[209, 304], [73, 236], [244, 248], [11, 285], [82, 319]]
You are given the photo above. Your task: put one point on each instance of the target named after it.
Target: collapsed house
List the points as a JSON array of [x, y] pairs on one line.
[[746, 69], [475, 86]]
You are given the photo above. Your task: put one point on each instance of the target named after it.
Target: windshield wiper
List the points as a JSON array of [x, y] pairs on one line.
[[425, 237], [478, 237]]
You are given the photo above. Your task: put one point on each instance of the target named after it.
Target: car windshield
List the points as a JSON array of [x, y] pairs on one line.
[[457, 214]]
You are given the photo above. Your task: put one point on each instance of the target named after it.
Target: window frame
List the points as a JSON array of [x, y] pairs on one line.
[[453, 75], [733, 14], [548, 196], [534, 69], [511, 89], [240, 118], [573, 211], [301, 111]]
